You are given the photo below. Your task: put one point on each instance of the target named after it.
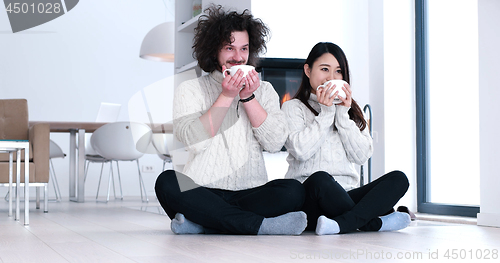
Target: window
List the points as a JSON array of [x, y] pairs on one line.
[[447, 107]]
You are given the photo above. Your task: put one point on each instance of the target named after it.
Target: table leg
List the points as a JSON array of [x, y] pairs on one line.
[[72, 165], [77, 166], [80, 177], [18, 182], [26, 185]]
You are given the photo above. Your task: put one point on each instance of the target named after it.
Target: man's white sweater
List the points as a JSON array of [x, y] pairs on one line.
[[329, 142], [232, 159]]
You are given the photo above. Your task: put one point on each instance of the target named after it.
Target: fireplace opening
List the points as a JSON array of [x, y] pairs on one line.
[[285, 74]]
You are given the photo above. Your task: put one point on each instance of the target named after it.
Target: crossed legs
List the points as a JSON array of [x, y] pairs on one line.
[[360, 208], [235, 212]]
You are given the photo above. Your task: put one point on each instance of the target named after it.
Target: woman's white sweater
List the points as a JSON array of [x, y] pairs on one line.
[[329, 142], [232, 159]]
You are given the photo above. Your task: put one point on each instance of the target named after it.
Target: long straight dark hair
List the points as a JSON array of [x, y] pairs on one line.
[[304, 92]]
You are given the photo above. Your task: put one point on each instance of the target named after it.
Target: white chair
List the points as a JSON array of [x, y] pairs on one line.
[[55, 152], [122, 141], [170, 150], [161, 142], [108, 112], [91, 156]]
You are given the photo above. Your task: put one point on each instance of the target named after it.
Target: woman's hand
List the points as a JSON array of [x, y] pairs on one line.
[[323, 95], [252, 83], [347, 101], [231, 85]]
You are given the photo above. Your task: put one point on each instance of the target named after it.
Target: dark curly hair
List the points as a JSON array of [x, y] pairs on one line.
[[304, 92], [214, 31]]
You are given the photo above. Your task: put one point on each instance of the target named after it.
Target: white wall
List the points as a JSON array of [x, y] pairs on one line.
[[376, 78], [399, 93], [489, 108], [66, 67]]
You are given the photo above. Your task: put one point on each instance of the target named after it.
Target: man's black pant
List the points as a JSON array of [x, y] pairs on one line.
[[226, 211]]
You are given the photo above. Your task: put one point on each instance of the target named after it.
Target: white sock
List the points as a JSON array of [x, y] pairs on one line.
[[395, 221], [327, 226], [181, 225], [292, 223]]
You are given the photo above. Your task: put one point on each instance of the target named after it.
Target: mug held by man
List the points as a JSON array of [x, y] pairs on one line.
[[234, 69]]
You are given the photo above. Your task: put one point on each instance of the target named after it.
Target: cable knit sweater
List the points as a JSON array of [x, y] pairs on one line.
[[232, 159], [328, 142]]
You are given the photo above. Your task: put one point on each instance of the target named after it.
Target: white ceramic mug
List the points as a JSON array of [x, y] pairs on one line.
[[233, 69], [338, 83]]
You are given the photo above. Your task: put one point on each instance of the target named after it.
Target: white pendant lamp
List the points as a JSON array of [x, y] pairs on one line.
[[158, 44]]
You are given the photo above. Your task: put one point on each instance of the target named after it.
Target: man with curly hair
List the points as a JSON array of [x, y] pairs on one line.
[[226, 122]]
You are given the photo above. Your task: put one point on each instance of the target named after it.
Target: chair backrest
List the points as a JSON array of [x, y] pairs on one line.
[[108, 112], [162, 141], [56, 151], [14, 121], [122, 140]]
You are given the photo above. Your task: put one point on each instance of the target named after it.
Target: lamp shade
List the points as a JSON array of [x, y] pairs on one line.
[[158, 44]]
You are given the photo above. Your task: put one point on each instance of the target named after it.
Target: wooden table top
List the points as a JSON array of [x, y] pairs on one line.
[[67, 126]]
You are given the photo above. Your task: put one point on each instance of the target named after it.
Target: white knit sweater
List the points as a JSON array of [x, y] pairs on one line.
[[329, 142], [232, 159]]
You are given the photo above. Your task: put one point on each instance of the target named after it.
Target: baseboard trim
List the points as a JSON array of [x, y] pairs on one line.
[[447, 219], [488, 219]]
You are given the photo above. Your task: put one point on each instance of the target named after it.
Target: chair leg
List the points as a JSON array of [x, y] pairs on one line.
[[141, 184], [99, 184], [86, 171], [112, 178], [119, 180], [109, 180], [164, 161], [37, 197], [46, 198], [58, 191], [109, 184], [55, 184]]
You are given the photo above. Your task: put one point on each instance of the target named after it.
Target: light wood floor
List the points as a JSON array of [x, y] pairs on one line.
[[130, 231]]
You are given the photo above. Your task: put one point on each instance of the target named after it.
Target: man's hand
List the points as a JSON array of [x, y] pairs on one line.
[[231, 85], [252, 83]]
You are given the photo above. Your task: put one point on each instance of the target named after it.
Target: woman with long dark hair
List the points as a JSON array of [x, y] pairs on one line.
[[324, 143]]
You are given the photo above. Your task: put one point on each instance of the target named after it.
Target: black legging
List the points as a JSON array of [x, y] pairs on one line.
[[226, 211], [358, 208]]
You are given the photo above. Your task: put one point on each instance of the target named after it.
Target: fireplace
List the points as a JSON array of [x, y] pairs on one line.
[[285, 74]]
